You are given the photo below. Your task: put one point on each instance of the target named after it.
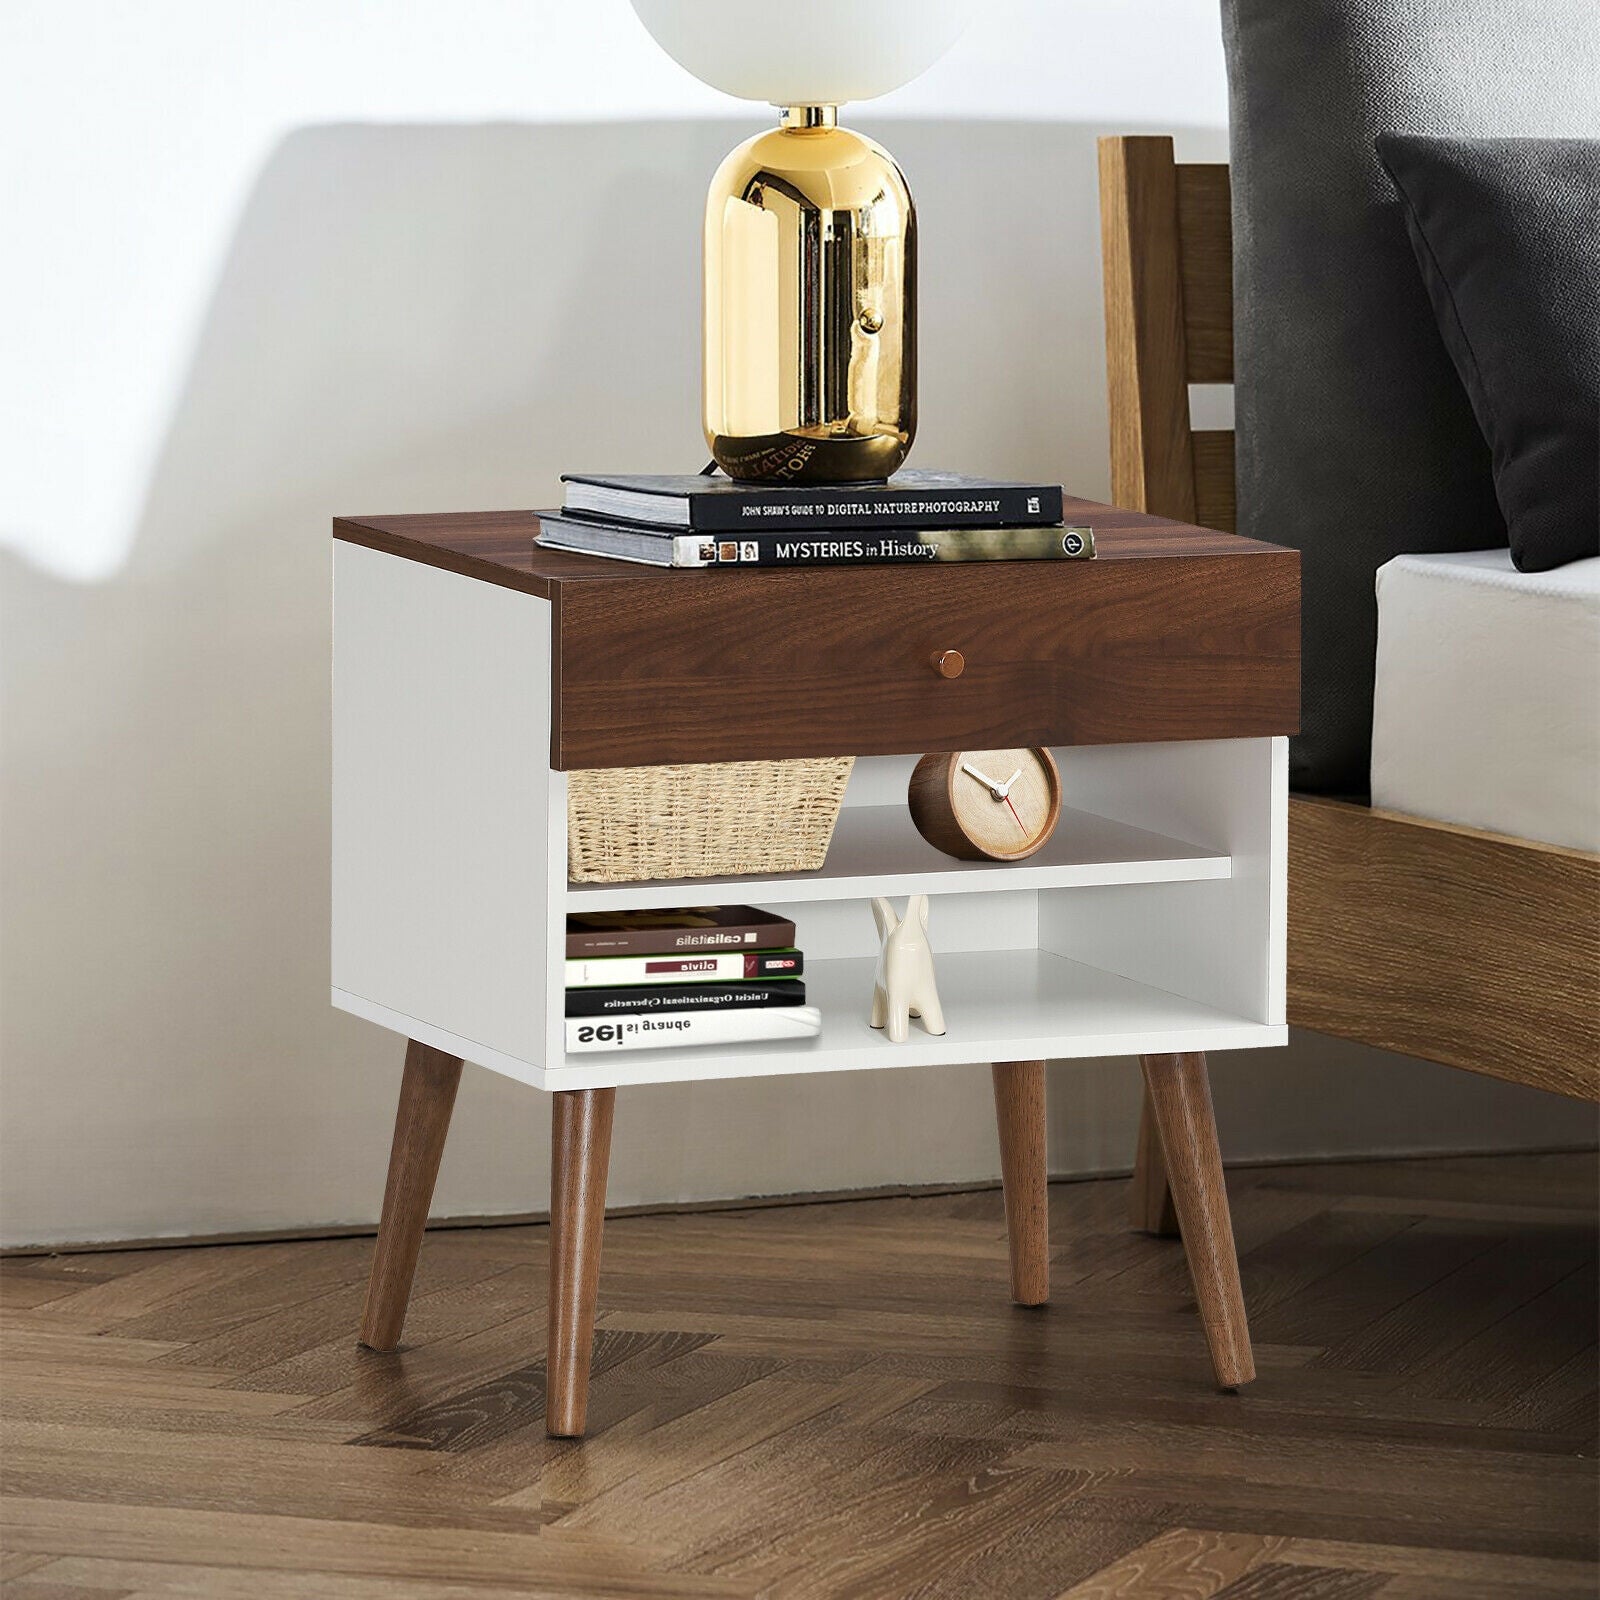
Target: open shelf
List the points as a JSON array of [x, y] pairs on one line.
[[999, 1005], [876, 850]]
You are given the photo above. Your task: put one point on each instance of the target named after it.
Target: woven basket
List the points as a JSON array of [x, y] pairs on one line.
[[717, 820]]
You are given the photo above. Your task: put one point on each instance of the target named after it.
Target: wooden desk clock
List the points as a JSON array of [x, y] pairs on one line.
[[1151, 690], [966, 810]]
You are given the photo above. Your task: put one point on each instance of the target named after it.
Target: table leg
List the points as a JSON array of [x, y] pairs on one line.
[[421, 1121], [1150, 1208], [1025, 1173], [580, 1156], [1180, 1099]]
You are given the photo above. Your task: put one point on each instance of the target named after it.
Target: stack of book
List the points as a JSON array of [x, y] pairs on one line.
[[704, 521], [696, 976]]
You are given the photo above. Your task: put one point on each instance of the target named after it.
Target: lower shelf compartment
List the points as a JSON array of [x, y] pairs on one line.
[[1000, 1005]]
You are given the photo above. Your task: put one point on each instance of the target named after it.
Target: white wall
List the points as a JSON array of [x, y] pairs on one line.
[[278, 259]]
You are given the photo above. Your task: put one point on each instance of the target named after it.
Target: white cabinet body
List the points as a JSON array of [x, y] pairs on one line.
[[1153, 922]]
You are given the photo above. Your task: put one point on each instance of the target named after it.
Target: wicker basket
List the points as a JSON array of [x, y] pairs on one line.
[[718, 820]]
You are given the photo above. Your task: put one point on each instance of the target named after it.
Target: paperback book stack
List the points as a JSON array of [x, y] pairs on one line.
[[914, 517], [698, 976]]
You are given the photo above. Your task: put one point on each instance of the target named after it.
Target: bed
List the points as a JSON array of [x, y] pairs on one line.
[[1454, 913]]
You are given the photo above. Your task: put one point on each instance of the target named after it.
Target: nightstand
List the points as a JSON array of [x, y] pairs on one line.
[[472, 670]]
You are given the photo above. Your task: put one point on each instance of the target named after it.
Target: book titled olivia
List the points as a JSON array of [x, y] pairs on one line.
[[647, 933], [719, 505], [723, 967]]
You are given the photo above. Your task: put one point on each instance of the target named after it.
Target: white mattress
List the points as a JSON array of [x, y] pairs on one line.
[[1487, 705]]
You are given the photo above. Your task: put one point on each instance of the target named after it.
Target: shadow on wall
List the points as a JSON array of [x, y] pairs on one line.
[[411, 319]]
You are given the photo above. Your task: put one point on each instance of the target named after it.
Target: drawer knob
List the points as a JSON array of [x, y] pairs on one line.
[[950, 663]]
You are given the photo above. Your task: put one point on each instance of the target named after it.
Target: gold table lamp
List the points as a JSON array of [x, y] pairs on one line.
[[810, 305]]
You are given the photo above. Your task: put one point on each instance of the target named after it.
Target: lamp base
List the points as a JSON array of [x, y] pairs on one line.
[[810, 307], [803, 457]]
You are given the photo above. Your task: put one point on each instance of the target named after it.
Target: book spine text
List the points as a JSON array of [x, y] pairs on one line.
[[658, 1029], [686, 997], [774, 512], [722, 968], [667, 941]]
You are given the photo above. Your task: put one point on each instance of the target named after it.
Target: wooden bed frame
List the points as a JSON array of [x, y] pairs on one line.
[[1474, 949]]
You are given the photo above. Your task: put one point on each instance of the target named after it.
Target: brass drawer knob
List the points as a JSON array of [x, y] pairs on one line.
[[950, 663]]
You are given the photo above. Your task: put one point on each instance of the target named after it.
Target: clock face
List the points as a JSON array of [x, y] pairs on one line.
[[996, 805], [1005, 801]]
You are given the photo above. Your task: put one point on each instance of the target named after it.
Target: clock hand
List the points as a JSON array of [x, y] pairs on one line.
[[1020, 823], [1005, 788], [988, 783]]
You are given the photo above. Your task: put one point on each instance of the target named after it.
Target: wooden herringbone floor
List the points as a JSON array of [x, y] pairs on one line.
[[836, 1400]]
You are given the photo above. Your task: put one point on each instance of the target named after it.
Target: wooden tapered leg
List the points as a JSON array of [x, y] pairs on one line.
[[1024, 1170], [1179, 1093], [427, 1097], [1150, 1207], [580, 1156]]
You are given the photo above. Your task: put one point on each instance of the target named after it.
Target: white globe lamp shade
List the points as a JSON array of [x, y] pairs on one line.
[[805, 52]]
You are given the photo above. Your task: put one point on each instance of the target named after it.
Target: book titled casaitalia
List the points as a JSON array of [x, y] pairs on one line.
[[686, 997], [833, 548], [708, 504], [659, 1029], [724, 967], [648, 933]]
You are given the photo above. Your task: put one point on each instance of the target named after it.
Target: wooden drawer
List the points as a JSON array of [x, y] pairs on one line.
[[1171, 632], [767, 664]]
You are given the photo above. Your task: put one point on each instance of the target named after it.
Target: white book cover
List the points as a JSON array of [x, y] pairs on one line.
[[712, 966], [658, 1029]]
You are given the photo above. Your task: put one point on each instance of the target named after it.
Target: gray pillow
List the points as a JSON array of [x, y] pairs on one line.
[[1507, 236], [1356, 441]]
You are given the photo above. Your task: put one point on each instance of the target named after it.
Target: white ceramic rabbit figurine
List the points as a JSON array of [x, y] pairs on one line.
[[904, 987]]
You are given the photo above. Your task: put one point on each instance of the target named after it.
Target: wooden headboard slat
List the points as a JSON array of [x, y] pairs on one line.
[[1205, 265], [1214, 498], [1152, 466]]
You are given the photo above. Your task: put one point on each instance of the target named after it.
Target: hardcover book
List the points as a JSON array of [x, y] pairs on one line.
[[706, 504], [646, 933], [722, 967], [686, 997], [657, 548], [658, 1029]]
